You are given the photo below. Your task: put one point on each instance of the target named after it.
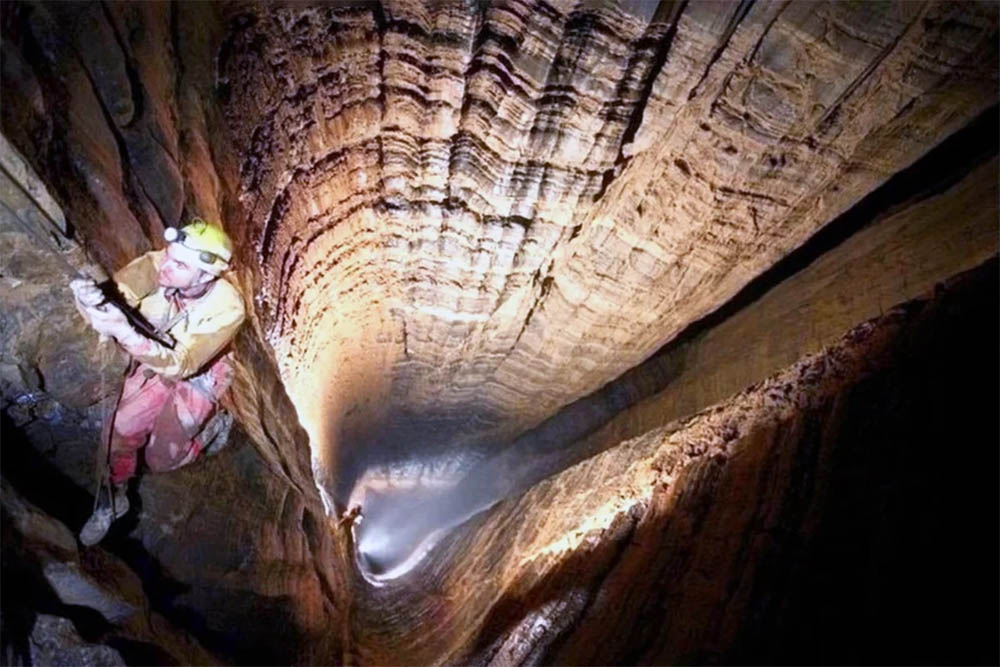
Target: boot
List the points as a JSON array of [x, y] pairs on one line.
[[215, 434], [109, 507]]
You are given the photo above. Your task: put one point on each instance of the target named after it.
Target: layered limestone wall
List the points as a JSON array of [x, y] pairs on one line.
[[452, 207], [931, 221]]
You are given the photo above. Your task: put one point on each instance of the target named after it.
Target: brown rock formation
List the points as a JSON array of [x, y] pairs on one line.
[[480, 245], [731, 536], [750, 133]]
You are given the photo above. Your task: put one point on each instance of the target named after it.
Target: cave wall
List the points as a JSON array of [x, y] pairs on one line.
[[834, 534], [439, 191], [901, 254], [931, 221], [812, 518], [363, 187], [111, 131]]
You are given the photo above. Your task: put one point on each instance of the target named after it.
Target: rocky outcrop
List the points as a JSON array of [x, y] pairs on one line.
[[54, 641], [53, 594]]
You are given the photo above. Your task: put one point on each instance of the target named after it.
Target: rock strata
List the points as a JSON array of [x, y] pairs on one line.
[[438, 192]]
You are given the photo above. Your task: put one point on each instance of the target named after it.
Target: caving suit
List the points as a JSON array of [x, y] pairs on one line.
[[171, 394]]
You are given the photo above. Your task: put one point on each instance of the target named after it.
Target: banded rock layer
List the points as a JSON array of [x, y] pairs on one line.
[[477, 215]]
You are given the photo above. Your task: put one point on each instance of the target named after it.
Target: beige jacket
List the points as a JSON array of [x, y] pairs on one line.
[[207, 325]]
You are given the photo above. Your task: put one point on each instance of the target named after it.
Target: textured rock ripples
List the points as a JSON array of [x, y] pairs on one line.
[[457, 205]]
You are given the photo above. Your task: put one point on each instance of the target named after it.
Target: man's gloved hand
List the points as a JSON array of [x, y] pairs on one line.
[[108, 320], [87, 293]]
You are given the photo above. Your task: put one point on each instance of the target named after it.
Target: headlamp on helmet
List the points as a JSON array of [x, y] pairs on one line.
[[203, 244]]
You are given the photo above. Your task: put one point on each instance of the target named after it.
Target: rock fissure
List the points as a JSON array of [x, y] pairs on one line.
[[738, 14]]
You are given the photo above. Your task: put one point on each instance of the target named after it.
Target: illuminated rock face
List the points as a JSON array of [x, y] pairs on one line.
[[763, 529], [478, 217], [454, 224]]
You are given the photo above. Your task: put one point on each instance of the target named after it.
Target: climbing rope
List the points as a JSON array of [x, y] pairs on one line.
[[102, 466]]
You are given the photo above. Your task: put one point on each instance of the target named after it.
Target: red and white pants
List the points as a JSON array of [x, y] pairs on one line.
[[169, 414]]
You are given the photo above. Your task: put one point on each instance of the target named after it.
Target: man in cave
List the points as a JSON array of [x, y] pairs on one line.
[[178, 373]]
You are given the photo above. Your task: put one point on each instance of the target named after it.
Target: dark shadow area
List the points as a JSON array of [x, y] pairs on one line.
[[26, 593], [39, 481], [216, 616], [902, 565]]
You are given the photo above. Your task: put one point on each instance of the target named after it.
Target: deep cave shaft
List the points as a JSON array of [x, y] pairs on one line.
[[592, 310]]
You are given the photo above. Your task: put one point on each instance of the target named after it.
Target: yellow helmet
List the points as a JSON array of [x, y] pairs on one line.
[[204, 244]]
